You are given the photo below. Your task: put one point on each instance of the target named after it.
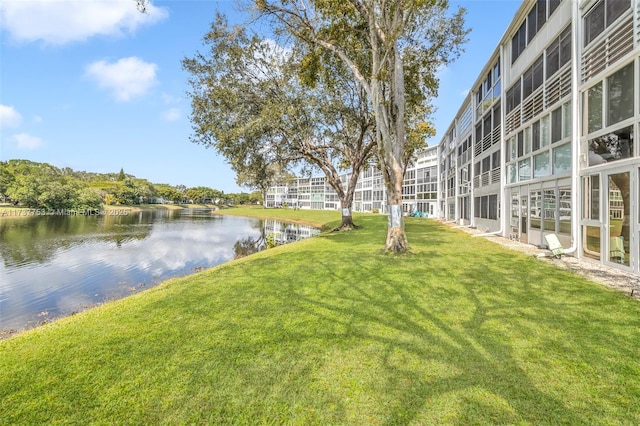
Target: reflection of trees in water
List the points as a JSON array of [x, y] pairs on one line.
[[248, 245], [37, 239]]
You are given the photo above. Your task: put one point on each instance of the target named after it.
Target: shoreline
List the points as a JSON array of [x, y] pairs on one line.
[[8, 332]]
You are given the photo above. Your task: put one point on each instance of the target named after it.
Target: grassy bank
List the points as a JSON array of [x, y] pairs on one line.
[[332, 331]]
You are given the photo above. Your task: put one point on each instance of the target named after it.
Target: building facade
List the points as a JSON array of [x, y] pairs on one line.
[[544, 142]]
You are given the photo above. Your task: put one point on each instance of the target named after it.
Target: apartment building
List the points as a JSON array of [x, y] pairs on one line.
[[544, 142]]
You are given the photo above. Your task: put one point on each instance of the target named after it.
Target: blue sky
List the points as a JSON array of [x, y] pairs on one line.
[[97, 86]]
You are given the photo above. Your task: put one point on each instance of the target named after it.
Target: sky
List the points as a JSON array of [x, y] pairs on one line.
[[97, 86]]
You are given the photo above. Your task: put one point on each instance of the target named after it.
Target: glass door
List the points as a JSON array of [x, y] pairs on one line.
[[618, 216]]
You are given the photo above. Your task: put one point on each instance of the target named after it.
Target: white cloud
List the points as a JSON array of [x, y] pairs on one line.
[[169, 99], [125, 79], [26, 141], [172, 114], [9, 117], [58, 22]]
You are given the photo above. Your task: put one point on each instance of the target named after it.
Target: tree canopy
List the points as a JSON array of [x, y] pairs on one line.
[[267, 108], [393, 49]]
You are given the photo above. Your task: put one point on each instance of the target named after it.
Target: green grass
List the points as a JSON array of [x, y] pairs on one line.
[[330, 330]]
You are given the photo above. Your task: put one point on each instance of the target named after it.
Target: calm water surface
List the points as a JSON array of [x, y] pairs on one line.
[[57, 265]]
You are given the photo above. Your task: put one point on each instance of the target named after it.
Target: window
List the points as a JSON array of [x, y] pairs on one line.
[[541, 13], [493, 207], [594, 23], [556, 125], [602, 16], [527, 83], [553, 58], [495, 160], [487, 125], [541, 165], [559, 52], [614, 9], [533, 77], [566, 120], [519, 42], [524, 169], [562, 159], [531, 23], [535, 136], [545, 131], [513, 97], [486, 207], [486, 164], [591, 207], [527, 140], [488, 83], [512, 173], [536, 209], [538, 72], [512, 149], [612, 146], [594, 108], [591, 241], [620, 95], [520, 144], [565, 46], [536, 18], [549, 213], [564, 211]]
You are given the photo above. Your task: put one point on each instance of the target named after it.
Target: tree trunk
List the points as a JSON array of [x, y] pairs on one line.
[[396, 239], [347, 220], [390, 133]]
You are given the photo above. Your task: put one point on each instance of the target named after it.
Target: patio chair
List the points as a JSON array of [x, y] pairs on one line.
[[554, 246], [616, 249]]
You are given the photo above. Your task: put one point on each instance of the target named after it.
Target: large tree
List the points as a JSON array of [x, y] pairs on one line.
[[393, 48], [257, 104]]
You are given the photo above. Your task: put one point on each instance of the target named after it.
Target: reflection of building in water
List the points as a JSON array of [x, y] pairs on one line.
[[544, 142], [283, 233]]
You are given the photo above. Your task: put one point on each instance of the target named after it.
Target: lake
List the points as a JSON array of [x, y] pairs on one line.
[[57, 265]]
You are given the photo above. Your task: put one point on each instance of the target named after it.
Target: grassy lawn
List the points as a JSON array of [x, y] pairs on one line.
[[332, 331]]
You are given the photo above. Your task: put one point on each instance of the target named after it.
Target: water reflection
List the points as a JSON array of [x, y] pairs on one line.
[[53, 266]]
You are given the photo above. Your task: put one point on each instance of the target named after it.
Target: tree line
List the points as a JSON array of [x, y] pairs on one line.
[[44, 186]]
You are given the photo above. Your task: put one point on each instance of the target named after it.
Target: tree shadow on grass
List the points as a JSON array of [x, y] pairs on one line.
[[443, 336], [481, 344]]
